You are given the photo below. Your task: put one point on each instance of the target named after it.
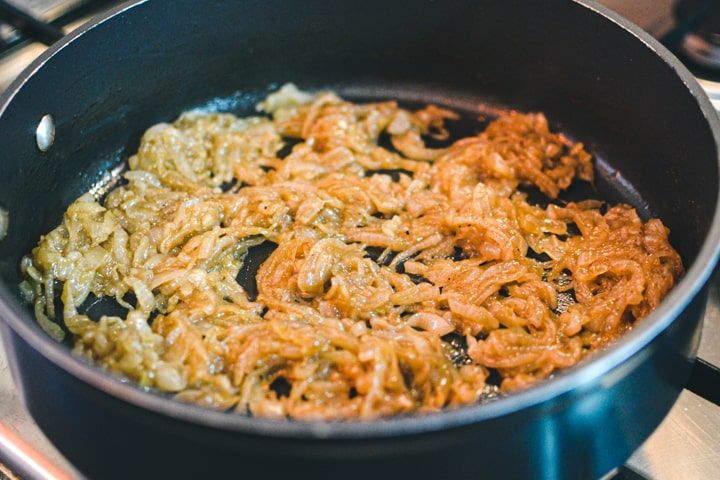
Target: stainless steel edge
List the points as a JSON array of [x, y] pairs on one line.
[[18, 422], [710, 343], [685, 446], [26, 459]]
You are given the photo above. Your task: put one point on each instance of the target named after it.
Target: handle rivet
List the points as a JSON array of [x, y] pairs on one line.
[[45, 133]]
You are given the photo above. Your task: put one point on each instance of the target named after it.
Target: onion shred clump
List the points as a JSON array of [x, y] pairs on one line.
[[336, 332]]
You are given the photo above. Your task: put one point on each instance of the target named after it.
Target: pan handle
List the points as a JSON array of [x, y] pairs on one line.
[[25, 460]]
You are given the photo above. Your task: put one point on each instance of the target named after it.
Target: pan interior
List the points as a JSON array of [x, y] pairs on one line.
[[475, 114]]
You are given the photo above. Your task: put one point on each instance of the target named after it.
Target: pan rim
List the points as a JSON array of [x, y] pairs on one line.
[[563, 383]]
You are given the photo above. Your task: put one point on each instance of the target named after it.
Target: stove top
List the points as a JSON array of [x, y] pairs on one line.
[[685, 445]]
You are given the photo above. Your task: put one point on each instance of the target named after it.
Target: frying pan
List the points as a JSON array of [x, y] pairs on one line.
[[598, 78]]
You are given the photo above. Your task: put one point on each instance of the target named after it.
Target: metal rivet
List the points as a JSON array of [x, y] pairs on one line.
[[45, 133]]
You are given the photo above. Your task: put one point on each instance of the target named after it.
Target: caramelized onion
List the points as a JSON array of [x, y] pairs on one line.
[[332, 332], [431, 322]]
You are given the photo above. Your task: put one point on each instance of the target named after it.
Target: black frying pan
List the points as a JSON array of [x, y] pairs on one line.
[[653, 133]]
